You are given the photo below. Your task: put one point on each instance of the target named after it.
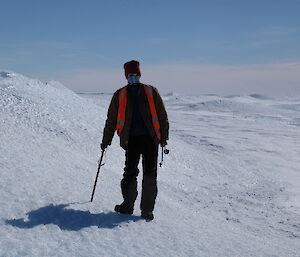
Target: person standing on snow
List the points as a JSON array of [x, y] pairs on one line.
[[138, 115]]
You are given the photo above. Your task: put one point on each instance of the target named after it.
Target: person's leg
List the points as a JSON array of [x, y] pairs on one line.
[[129, 181], [149, 185]]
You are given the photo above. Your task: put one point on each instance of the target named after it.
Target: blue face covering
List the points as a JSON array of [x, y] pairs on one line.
[[133, 78]]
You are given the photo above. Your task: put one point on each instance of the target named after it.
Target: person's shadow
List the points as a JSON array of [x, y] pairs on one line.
[[70, 219]]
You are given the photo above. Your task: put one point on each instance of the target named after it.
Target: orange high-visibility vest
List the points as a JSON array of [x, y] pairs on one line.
[[122, 109]]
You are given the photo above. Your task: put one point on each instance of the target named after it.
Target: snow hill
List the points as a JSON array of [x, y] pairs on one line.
[[229, 187]]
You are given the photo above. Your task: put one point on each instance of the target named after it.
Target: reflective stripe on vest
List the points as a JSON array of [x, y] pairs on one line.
[[155, 121], [122, 110]]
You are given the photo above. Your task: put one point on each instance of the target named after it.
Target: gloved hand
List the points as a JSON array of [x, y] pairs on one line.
[[103, 146], [163, 143]]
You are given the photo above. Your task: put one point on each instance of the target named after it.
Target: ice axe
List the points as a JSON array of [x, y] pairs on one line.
[[99, 166], [164, 150]]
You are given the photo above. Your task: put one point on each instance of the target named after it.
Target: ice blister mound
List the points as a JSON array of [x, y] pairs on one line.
[[45, 131]]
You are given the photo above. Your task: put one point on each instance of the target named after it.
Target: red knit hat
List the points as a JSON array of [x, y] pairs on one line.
[[132, 67]]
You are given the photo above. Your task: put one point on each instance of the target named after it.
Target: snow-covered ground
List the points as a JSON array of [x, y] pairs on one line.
[[229, 187]]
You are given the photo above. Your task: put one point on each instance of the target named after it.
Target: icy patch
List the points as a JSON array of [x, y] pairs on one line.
[[260, 96], [295, 122], [56, 84], [5, 74], [293, 107], [171, 94], [232, 96]]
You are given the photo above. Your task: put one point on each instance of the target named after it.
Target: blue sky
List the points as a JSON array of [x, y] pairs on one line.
[[87, 42]]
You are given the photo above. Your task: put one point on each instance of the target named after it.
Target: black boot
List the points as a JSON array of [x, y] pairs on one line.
[[147, 215], [122, 208]]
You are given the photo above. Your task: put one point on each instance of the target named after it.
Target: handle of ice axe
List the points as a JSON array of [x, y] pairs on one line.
[[99, 166], [164, 150]]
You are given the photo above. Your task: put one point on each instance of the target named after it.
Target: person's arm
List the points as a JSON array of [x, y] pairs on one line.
[[162, 117], [111, 121]]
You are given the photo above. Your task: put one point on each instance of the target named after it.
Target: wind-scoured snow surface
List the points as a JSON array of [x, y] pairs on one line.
[[229, 187]]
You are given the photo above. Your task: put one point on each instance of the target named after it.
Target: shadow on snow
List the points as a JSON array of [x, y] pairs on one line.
[[70, 219]]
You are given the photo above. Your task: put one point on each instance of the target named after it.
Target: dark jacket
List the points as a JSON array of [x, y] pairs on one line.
[[110, 125], [138, 127]]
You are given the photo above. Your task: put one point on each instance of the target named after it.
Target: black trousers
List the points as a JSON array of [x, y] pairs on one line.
[[140, 146]]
